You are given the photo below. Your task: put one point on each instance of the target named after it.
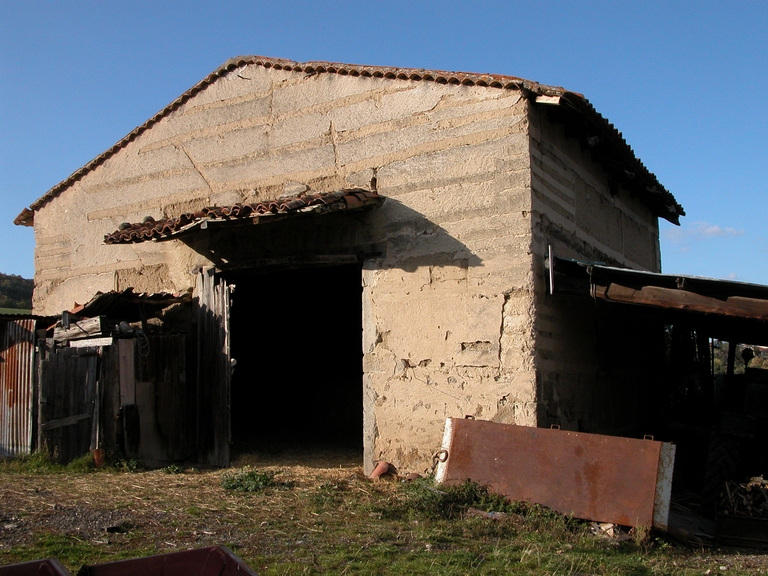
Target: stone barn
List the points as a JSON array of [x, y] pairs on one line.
[[366, 249]]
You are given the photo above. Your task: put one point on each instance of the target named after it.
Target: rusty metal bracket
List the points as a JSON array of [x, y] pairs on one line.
[[437, 458]]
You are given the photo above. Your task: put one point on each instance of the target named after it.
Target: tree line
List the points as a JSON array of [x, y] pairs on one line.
[[15, 292]]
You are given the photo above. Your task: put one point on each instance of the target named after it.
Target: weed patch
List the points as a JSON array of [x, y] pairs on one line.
[[423, 499], [83, 464], [249, 480], [34, 463]]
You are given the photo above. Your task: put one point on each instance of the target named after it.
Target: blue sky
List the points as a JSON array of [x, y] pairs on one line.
[[684, 81]]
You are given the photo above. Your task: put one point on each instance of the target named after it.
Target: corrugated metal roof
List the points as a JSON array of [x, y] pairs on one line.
[[659, 200], [713, 287], [22, 316], [150, 229], [723, 309], [126, 304], [17, 352]]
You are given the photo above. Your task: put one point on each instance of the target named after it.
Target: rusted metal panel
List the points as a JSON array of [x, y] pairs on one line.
[[590, 476], [47, 567], [17, 353], [212, 561]]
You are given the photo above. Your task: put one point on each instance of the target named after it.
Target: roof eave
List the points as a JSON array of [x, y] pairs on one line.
[[530, 88]]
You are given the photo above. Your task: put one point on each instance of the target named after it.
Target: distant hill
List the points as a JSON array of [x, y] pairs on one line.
[[15, 292]]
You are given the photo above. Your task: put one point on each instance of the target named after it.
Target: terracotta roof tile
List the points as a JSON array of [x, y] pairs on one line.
[[659, 200], [150, 229]]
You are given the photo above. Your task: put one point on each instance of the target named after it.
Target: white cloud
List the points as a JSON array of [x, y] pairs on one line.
[[697, 231]]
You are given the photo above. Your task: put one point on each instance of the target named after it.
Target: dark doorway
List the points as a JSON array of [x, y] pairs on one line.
[[297, 338]]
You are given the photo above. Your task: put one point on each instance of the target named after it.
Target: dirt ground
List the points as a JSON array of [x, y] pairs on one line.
[[99, 517]]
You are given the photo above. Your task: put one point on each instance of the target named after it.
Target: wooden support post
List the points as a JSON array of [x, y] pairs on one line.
[[731, 359]]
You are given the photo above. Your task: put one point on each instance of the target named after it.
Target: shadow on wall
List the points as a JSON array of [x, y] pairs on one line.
[[296, 325], [398, 235]]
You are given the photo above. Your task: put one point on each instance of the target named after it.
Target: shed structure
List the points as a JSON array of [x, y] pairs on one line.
[[366, 246]]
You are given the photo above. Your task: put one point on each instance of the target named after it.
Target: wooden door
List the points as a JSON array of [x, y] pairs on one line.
[[68, 396], [213, 370]]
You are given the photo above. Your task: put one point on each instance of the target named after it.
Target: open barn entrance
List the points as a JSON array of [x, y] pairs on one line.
[[296, 336]]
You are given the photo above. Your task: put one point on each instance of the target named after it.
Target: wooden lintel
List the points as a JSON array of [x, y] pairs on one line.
[[735, 306], [91, 342], [81, 329], [304, 260], [62, 422]]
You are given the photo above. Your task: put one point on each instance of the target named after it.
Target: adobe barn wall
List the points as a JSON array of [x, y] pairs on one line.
[[592, 365], [448, 306]]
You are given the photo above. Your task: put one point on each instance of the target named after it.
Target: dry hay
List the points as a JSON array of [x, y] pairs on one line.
[[166, 510]]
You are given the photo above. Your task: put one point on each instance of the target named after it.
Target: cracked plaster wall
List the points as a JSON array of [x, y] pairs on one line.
[[448, 311]]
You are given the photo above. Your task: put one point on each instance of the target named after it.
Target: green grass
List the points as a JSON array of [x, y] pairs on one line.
[[40, 462], [15, 311], [249, 480], [294, 520], [35, 463], [70, 550]]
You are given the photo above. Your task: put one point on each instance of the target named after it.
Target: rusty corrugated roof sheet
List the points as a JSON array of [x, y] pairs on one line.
[[150, 229], [125, 304], [17, 353], [659, 200], [723, 309]]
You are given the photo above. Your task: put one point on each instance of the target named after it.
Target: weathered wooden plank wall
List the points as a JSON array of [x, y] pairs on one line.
[[166, 402], [213, 370], [110, 434], [67, 399], [127, 399]]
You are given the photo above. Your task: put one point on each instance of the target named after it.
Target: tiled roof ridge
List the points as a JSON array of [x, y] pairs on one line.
[[26, 217], [151, 229]]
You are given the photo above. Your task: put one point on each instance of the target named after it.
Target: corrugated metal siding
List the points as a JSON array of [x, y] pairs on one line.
[[17, 353]]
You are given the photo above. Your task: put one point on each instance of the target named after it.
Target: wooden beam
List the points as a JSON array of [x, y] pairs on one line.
[[544, 99], [735, 306], [62, 422], [81, 329], [127, 371], [88, 342]]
